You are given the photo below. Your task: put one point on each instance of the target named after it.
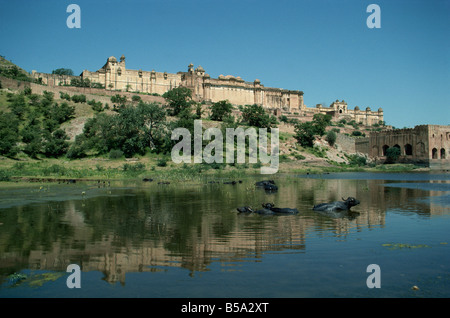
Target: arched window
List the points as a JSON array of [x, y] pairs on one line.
[[442, 153], [408, 150], [385, 148], [434, 153]]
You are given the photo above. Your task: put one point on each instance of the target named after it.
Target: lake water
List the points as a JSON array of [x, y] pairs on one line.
[[144, 239]]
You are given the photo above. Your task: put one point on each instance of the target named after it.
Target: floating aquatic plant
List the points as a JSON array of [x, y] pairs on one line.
[[395, 246], [34, 280], [16, 278]]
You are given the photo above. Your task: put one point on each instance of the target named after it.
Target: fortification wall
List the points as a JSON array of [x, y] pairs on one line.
[[346, 143], [362, 145], [53, 79], [13, 84], [98, 94]]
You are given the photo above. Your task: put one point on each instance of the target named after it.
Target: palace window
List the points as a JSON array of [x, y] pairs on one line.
[[434, 153]]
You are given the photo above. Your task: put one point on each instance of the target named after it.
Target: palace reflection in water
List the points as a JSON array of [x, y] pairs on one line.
[[149, 227]]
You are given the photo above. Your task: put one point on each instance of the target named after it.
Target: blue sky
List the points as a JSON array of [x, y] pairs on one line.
[[321, 47]]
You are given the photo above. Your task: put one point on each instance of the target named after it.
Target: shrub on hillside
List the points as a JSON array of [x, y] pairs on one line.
[[331, 138], [79, 98]]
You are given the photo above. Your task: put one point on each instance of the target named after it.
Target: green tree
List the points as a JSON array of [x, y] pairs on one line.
[[99, 134], [132, 131], [304, 133], [18, 105], [63, 71], [119, 100], [55, 144], [15, 73], [255, 115], [31, 129], [154, 123], [321, 121], [331, 138], [178, 99], [392, 154], [79, 98], [34, 147], [78, 148], [79, 82], [31, 135], [198, 111], [221, 109], [136, 98], [34, 100], [44, 106], [9, 134], [62, 113]]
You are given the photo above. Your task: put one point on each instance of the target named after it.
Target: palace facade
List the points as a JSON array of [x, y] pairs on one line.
[[114, 76]]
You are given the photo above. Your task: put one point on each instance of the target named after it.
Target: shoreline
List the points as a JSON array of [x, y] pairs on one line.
[[102, 169]]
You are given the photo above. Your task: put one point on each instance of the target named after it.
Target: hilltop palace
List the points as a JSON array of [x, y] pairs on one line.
[[424, 144], [114, 76]]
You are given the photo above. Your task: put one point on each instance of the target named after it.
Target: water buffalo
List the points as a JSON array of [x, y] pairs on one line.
[[245, 209], [344, 205], [232, 182], [268, 185], [268, 209], [271, 207]]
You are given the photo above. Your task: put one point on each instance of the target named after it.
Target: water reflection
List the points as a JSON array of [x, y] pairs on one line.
[[146, 227]]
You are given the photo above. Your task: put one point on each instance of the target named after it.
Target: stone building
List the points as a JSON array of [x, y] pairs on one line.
[[424, 144], [114, 76], [339, 110]]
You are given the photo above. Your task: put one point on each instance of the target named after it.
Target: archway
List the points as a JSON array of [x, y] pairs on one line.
[[385, 148], [434, 153], [408, 150], [442, 153]]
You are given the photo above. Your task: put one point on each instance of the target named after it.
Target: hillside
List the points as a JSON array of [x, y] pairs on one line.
[[10, 70], [44, 107], [291, 153]]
